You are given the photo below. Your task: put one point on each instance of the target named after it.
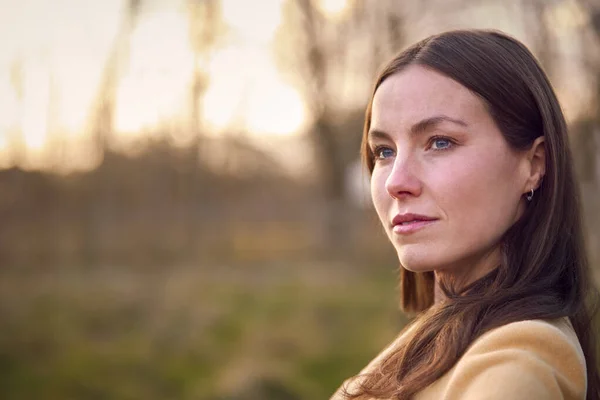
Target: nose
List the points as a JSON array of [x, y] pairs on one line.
[[403, 180]]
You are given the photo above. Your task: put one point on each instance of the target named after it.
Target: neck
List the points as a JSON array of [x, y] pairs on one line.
[[462, 277], [438, 295]]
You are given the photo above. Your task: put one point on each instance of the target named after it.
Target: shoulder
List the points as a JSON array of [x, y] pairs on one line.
[[549, 339], [534, 359]]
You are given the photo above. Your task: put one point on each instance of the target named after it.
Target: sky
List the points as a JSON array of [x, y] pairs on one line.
[[52, 56]]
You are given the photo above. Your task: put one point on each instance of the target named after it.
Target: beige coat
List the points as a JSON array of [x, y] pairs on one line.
[[526, 360]]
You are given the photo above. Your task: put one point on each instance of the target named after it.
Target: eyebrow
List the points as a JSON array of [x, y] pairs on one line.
[[421, 126]]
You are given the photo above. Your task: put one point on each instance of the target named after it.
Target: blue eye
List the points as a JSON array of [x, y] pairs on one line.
[[381, 153], [441, 143]]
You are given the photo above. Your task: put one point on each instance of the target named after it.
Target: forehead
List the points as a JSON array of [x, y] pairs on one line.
[[418, 92]]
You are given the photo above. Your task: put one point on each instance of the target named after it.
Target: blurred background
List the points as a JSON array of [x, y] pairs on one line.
[[183, 214]]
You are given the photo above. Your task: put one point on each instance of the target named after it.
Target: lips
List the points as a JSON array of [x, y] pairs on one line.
[[408, 223], [403, 219]]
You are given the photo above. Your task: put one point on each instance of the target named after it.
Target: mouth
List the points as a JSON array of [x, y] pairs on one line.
[[410, 223]]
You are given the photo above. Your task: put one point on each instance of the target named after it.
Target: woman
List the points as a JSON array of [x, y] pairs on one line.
[[472, 179]]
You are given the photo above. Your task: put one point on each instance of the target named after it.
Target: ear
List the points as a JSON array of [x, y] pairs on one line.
[[536, 164]]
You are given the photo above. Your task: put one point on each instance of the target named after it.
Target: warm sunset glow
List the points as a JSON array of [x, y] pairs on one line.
[[225, 91], [9, 106], [246, 91], [333, 7], [250, 95], [156, 84], [34, 108], [51, 60], [253, 21], [60, 54], [278, 109]]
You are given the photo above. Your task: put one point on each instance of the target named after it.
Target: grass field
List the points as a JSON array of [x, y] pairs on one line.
[[271, 332]]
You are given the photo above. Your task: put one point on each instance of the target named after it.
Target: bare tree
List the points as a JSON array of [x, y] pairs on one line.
[[205, 20], [333, 57], [587, 139], [56, 139], [204, 29], [17, 148], [536, 24], [94, 225], [103, 115]]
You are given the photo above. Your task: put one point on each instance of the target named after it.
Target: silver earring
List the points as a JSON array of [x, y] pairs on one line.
[[529, 195]]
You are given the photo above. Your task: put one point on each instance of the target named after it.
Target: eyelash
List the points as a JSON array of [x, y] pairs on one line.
[[376, 151], [451, 144], [432, 139]]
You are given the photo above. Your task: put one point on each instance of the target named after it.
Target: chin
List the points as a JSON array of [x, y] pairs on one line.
[[429, 256], [415, 262]]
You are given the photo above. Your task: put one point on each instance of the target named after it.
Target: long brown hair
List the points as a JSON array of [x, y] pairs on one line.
[[544, 272]]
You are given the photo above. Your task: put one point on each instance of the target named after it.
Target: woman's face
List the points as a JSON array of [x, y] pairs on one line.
[[446, 185]]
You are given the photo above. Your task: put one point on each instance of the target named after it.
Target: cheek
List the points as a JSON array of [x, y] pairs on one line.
[[480, 194], [379, 195]]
